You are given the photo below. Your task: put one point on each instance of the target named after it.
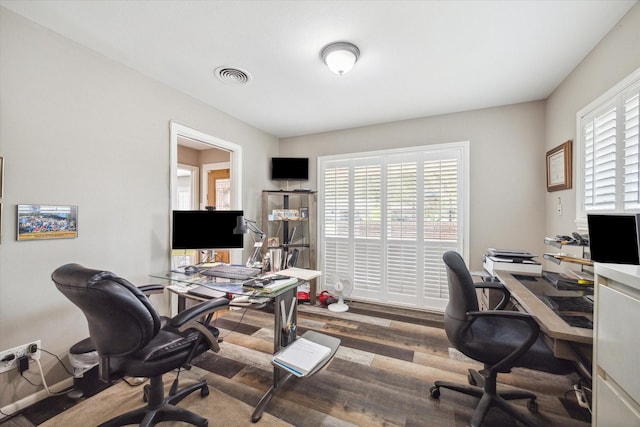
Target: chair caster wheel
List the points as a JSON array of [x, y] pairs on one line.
[[204, 391], [532, 405], [435, 392]]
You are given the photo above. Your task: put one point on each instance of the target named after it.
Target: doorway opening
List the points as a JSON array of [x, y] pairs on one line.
[[194, 157]]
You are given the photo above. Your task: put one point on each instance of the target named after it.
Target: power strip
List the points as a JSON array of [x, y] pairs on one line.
[[9, 358]]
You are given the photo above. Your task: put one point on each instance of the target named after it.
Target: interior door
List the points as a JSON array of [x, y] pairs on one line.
[[219, 195]]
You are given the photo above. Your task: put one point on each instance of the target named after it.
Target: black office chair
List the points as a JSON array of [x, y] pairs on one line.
[[131, 341], [500, 339]]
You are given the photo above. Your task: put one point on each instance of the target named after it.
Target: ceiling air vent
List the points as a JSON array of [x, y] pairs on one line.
[[233, 75]]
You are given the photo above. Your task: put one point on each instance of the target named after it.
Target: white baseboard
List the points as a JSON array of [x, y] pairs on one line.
[[36, 397]]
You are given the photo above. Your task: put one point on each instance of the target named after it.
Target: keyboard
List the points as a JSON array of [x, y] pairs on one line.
[[231, 272]]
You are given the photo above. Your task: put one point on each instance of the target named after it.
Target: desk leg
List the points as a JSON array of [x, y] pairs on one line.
[[279, 377], [182, 303]]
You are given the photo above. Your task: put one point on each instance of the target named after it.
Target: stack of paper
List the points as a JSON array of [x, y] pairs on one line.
[[279, 284], [301, 356], [300, 273]]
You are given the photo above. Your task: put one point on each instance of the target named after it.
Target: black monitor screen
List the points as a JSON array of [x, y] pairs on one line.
[[614, 238], [293, 168], [206, 230]]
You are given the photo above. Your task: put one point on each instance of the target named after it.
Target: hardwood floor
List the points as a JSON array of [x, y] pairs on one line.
[[381, 375]]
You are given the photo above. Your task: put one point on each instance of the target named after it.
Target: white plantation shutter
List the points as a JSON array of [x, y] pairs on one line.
[[600, 160], [367, 221], [631, 159], [336, 225], [387, 220], [609, 152], [440, 222]]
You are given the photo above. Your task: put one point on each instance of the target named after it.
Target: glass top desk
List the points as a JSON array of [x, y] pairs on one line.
[[285, 297], [530, 294]]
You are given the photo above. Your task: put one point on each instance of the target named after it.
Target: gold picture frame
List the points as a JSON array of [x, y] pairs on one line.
[[559, 170]]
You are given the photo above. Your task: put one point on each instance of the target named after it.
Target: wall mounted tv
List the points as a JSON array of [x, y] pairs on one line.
[[206, 230], [290, 168], [614, 238]]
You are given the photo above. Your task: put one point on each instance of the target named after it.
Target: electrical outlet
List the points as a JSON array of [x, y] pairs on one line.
[[16, 352]]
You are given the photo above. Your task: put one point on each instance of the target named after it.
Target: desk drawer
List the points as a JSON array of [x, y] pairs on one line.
[[617, 338]]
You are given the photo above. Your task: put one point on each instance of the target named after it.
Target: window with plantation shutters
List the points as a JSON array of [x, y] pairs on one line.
[[608, 150], [386, 219]]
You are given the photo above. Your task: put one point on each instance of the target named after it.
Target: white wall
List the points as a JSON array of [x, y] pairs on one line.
[[613, 59], [507, 166], [77, 128]]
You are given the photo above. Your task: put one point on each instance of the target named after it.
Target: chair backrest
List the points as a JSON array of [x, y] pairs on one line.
[[121, 318], [462, 296]]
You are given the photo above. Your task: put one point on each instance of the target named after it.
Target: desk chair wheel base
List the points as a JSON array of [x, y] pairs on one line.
[[489, 398], [161, 408]]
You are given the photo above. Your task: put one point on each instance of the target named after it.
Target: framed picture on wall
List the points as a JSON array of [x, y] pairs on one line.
[[41, 222], [559, 167]]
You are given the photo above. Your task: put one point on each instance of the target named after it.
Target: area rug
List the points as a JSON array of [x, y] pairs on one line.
[[219, 408]]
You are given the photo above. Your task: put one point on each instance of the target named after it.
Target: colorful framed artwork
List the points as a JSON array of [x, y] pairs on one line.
[[41, 222]]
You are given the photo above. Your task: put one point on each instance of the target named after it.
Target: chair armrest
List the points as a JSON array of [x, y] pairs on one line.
[[506, 295], [151, 289], [534, 331], [188, 319]]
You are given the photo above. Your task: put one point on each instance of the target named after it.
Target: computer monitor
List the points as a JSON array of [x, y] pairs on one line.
[[614, 238], [290, 168], [206, 230]]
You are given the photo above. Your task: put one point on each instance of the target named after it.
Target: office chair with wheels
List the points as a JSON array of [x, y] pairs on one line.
[[131, 340], [500, 339]]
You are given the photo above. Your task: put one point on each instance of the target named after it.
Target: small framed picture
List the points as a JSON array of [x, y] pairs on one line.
[[273, 242], [41, 222], [304, 213]]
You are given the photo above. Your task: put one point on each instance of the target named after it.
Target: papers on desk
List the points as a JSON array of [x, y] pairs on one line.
[[301, 356], [279, 284], [300, 273]]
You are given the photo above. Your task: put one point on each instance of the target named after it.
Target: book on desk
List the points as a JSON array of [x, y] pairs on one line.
[[268, 284]]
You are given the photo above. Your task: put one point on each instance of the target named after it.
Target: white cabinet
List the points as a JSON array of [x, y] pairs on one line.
[[616, 393]]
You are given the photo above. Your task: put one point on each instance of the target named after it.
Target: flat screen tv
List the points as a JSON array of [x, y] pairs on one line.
[[206, 230], [290, 168], [614, 238]]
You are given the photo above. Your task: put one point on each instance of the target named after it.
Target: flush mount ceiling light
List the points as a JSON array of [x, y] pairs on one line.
[[232, 75], [340, 57]]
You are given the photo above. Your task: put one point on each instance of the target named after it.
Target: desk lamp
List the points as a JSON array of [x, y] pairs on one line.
[[244, 226]]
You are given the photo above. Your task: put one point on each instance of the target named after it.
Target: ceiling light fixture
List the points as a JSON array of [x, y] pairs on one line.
[[340, 57]]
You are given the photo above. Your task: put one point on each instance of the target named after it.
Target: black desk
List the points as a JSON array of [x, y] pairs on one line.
[[567, 342]]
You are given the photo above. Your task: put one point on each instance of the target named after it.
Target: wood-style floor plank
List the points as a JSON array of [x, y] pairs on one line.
[[380, 376]]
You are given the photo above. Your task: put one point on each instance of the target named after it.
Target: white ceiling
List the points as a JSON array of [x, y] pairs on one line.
[[418, 58]]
